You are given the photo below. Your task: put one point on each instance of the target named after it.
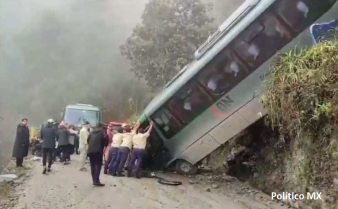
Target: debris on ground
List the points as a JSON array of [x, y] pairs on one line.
[[36, 158], [10, 184], [8, 177]]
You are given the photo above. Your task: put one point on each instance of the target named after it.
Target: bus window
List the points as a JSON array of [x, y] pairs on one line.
[[263, 45], [299, 14], [223, 75], [166, 122], [189, 102]]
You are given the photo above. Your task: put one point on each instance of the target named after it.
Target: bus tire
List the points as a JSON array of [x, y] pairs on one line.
[[184, 167]]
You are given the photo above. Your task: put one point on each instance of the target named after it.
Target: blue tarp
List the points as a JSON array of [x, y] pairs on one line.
[[324, 31]]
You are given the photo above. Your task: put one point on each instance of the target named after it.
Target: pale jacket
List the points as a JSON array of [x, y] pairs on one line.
[[140, 140], [127, 139], [83, 137], [117, 140]]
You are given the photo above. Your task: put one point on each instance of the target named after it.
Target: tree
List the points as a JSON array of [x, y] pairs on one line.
[[164, 43]]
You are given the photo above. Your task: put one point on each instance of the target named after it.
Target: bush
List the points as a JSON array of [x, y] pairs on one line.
[[302, 91], [302, 102]]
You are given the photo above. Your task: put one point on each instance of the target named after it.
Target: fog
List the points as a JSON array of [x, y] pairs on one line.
[[59, 52], [54, 53]]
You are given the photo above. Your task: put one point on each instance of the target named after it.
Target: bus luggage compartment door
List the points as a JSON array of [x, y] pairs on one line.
[[230, 127], [254, 110], [200, 149]]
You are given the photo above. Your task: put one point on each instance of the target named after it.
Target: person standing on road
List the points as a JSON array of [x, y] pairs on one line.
[[107, 150], [48, 137], [124, 150], [139, 151], [117, 140], [84, 133], [56, 150], [97, 141], [72, 136], [63, 144], [77, 140], [21, 145]]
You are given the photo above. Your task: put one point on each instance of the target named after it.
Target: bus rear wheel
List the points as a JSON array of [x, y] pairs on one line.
[[184, 167]]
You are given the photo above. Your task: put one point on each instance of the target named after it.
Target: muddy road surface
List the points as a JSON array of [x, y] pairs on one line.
[[67, 187]]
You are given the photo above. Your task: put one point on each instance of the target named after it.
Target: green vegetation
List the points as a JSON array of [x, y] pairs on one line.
[[7, 189], [302, 100], [303, 91], [165, 41]]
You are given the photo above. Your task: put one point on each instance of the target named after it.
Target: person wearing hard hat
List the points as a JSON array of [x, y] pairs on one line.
[[48, 137]]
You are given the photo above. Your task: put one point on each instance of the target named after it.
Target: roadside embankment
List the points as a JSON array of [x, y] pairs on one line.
[[295, 147]]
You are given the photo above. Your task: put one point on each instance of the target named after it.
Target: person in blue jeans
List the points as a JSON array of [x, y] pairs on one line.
[[116, 143], [139, 151], [124, 150]]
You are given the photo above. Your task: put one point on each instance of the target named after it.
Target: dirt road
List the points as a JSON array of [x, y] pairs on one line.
[[66, 187]]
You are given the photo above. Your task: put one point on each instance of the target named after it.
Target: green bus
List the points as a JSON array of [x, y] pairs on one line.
[[79, 113], [218, 95]]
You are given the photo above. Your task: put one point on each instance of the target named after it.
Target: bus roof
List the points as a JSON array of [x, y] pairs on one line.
[[196, 65], [83, 107]]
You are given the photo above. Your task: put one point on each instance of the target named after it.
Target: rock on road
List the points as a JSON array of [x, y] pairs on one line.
[[67, 187]]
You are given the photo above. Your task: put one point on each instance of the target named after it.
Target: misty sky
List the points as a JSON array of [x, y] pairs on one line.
[[51, 47], [59, 52], [79, 39]]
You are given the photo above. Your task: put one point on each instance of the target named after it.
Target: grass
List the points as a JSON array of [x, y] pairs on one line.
[[20, 172], [302, 102], [302, 90], [5, 190]]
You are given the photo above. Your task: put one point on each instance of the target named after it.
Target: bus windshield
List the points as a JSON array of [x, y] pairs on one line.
[[78, 116]]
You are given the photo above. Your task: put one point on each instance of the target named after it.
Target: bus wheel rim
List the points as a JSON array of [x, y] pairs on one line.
[[185, 167]]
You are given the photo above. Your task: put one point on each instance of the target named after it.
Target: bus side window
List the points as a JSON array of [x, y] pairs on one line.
[[265, 44], [189, 102], [223, 75], [166, 122], [299, 14]]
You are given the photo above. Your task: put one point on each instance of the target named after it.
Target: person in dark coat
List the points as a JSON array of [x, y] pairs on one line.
[[48, 137], [77, 141], [57, 149], [63, 138], [21, 145], [97, 142]]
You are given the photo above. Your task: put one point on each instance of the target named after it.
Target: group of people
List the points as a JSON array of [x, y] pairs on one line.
[[129, 142], [125, 146], [57, 141]]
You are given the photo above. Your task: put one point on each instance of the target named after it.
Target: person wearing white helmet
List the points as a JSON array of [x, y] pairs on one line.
[[48, 137]]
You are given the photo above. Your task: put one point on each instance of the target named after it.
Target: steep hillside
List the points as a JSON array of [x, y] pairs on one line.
[[295, 149]]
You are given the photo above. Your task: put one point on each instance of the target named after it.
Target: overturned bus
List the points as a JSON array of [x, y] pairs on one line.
[[218, 94]]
